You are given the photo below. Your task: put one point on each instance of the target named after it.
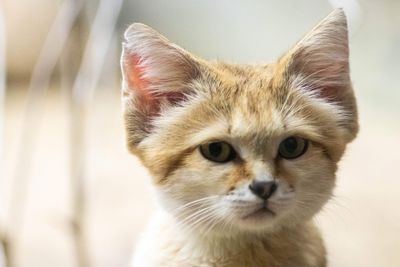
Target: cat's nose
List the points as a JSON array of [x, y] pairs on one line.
[[263, 189]]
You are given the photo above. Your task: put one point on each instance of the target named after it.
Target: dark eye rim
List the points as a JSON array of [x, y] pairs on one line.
[[304, 150], [232, 155]]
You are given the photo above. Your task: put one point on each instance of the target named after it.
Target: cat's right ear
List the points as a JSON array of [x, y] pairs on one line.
[[156, 74], [319, 64]]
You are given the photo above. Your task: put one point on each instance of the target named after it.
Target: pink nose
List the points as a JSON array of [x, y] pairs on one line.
[[263, 189]]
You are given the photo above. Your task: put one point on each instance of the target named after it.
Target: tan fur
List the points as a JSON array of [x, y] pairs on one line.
[[174, 102]]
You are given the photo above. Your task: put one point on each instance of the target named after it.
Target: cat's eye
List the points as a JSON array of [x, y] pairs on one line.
[[218, 151], [292, 147]]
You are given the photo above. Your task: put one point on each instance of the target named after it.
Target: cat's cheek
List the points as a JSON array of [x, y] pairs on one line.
[[215, 178], [196, 180], [313, 178], [238, 175], [283, 198]]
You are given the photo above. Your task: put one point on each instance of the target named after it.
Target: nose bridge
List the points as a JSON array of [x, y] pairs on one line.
[[262, 171]]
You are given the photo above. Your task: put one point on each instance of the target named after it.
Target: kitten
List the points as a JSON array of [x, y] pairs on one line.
[[241, 156]]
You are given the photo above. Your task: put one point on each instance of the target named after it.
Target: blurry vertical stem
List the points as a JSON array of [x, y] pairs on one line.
[[100, 37], [2, 88], [39, 83], [4, 255]]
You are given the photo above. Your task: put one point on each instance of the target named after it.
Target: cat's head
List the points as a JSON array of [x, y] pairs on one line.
[[240, 147]]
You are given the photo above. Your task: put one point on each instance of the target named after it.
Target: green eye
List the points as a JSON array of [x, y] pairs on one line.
[[292, 147], [218, 152]]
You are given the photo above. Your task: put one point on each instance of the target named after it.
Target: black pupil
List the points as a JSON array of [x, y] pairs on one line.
[[291, 145], [215, 149]]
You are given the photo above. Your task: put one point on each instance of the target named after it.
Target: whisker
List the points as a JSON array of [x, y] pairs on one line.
[[195, 215], [202, 220], [212, 224], [196, 202]]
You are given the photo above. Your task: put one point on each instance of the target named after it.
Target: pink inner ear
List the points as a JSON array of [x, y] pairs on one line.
[[136, 81], [327, 78], [328, 92], [148, 100], [135, 77]]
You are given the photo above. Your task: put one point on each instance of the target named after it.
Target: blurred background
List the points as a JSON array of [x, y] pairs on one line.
[[71, 195]]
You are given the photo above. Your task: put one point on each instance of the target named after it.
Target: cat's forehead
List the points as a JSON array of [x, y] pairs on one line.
[[253, 102], [267, 122], [240, 108], [252, 99]]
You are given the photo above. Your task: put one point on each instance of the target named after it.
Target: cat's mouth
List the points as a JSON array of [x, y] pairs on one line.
[[259, 214]]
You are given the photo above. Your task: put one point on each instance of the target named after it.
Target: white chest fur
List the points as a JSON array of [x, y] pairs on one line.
[[163, 245]]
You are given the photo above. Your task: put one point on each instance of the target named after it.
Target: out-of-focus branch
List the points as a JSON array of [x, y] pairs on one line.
[[2, 87], [38, 86], [4, 243], [88, 76], [5, 257]]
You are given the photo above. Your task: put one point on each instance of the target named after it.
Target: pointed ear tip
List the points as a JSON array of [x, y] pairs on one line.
[[339, 11], [136, 28], [338, 15]]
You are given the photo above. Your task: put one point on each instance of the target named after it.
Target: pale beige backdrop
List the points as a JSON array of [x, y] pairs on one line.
[[361, 224]]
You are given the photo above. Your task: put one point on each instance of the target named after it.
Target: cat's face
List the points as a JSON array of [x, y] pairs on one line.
[[240, 148]]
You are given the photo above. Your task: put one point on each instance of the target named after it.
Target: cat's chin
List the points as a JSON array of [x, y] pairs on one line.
[[260, 214], [260, 220]]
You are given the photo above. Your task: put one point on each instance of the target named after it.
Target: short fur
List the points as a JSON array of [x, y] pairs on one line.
[[174, 102]]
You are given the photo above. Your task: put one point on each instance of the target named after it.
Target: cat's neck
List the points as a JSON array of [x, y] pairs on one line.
[[220, 244], [289, 246]]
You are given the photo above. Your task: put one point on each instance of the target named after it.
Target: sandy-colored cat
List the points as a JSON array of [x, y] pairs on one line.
[[242, 156]]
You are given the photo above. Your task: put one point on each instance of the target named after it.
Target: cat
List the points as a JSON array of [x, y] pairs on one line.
[[241, 156]]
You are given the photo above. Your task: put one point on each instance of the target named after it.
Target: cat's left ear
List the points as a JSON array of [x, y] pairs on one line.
[[319, 63], [153, 67], [156, 76]]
